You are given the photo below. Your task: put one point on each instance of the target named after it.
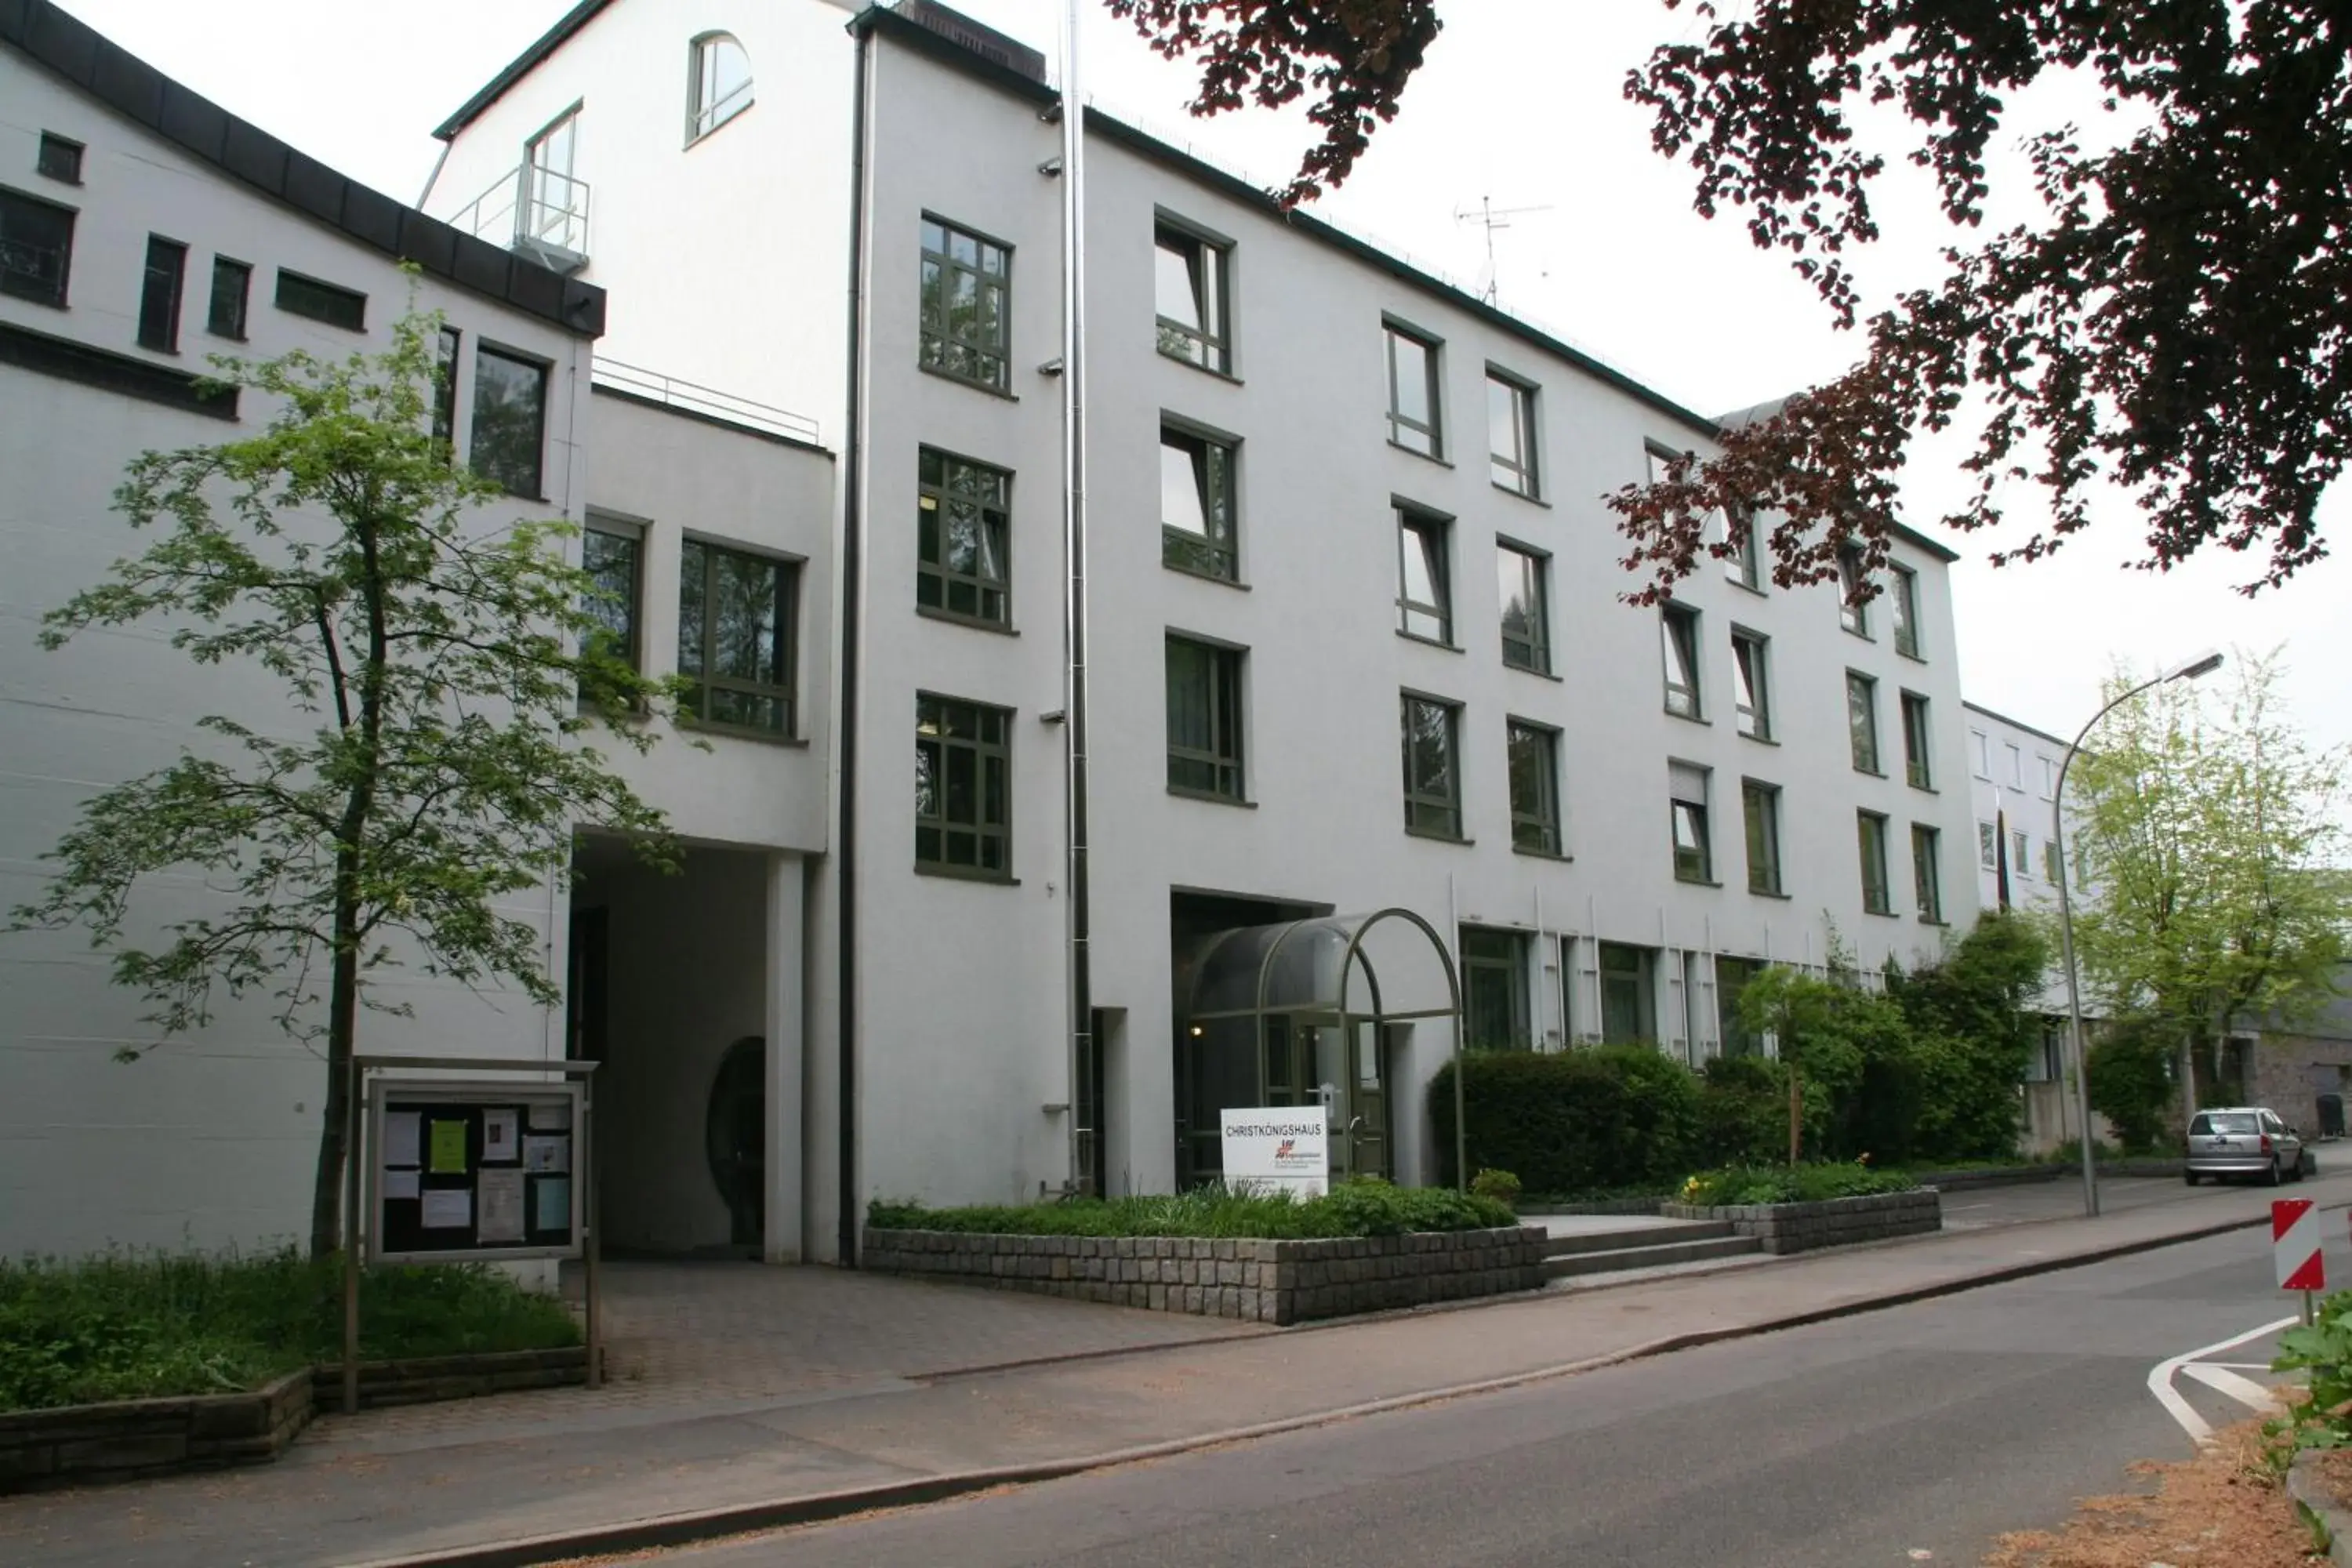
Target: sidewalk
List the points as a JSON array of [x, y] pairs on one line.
[[432, 1485]]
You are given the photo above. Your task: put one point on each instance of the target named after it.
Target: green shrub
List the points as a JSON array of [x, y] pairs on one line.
[[1572, 1122], [1500, 1186], [1790, 1183], [1366, 1207], [137, 1326], [2131, 1080], [1743, 1113], [2319, 1413]]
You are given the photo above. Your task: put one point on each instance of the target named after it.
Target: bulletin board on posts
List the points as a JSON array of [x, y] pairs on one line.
[[473, 1170]]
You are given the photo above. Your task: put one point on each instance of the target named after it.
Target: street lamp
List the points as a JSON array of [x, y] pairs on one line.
[[2202, 665]]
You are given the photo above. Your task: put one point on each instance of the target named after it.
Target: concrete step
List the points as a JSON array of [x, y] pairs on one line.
[[1635, 1236], [1651, 1256]]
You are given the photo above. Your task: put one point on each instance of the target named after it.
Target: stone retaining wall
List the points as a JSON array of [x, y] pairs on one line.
[[138, 1437], [1263, 1281], [1834, 1222]]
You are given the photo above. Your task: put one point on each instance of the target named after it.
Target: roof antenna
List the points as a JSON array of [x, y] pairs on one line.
[[1492, 218]]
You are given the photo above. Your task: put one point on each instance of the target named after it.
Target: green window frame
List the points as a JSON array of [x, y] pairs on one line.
[[1205, 719], [736, 631], [1416, 404], [35, 247], [508, 441], [1511, 452], [1861, 721], [1533, 765], [1759, 806], [1190, 284], [1903, 610], [1199, 517], [1870, 835], [967, 306], [158, 294], [1433, 773], [321, 301], [1522, 581], [1918, 742], [1752, 672], [1495, 1011], [1928, 872], [964, 533], [232, 286], [1686, 789], [1424, 575], [1629, 992], [1678, 638], [612, 554], [964, 788]]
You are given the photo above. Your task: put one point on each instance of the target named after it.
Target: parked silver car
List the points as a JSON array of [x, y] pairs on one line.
[[2246, 1140]]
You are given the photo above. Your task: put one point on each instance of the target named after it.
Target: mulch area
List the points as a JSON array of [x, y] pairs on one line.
[[2221, 1510]]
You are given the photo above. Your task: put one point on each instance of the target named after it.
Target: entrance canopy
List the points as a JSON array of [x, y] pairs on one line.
[[1388, 965]]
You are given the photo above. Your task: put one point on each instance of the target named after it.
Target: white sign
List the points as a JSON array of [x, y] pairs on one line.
[[1280, 1148]]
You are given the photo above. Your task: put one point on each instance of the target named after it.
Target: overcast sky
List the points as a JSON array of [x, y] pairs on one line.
[[1520, 103]]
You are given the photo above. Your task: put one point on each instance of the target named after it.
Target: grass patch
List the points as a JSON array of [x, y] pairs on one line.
[[1352, 1208], [144, 1326], [1790, 1183]]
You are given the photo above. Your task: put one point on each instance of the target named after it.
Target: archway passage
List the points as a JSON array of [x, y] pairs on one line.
[[1321, 1010]]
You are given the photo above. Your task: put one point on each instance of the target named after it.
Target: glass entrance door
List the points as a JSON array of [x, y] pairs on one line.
[[1345, 1066]]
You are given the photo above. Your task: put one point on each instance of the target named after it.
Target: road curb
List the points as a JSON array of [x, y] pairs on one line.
[[668, 1530]]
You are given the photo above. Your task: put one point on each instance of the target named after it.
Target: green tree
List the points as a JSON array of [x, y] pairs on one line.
[[2208, 831], [436, 763], [2171, 321], [1835, 1039], [2131, 1079], [1974, 1028]]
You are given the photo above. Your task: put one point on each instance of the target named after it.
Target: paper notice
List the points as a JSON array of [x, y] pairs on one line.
[[448, 1208], [501, 1195], [499, 1146], [398, 1184], [400, 1139], [551, 1116], [543, 1154], [550, 1204], [448, 1148]]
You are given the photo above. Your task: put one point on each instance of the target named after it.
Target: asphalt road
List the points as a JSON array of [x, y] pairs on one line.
[[1848, 1445]]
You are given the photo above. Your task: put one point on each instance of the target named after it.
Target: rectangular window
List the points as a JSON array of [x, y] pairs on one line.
[[1189, 285], [1750, 663], [1678, 634], [444, 393], [338, 306], [1628, 995], [1197, 531], [1424, 585], [612, 555], [1861, 721], [1526, 608], [1694, 855], [59, 159], [1988, 846], [510, 420], [1495, 990], [1745, 564], [1983, 748], [1414, 420], [1433, 783], [964, 788], [2016, 768], [1903, 606], [1204, 719], [2020, 855], [1926, 872], [2051, 872], [35, 247], [1731, 978], [1511, 433], [158, 294], [966, 310], [2049, 778], [1918, 742], [735, 637], [1760, 804], [964, 521], [1853, 614], [1871, 833], [232, 286], [554, 210], [1535, 787]]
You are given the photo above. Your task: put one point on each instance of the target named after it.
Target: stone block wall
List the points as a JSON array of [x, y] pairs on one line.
[[1261, 1281], [1834, 1222], [136, 1438]]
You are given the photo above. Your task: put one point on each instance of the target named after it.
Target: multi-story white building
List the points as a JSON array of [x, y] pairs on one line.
[[1298, 555]]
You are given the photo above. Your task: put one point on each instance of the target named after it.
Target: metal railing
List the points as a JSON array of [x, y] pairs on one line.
[[535, 210], [694, 398]]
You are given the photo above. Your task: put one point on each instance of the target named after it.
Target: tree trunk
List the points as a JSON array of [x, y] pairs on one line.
[[2187, 1084], [342, 1027]]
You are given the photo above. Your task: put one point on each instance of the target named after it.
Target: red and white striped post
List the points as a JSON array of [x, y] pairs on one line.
[[2294, 1248]]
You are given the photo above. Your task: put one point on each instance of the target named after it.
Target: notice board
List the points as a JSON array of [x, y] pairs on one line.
[[473, 1170]]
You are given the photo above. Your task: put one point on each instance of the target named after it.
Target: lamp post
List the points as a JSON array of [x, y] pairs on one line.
[[2202, 665]]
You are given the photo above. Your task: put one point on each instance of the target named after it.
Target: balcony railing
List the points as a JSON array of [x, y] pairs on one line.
[[538, 212], [696, 399]]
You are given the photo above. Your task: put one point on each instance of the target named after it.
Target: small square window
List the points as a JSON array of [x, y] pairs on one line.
[[509, 434], [338, 306], [967, 307], [232, 288], [1678, 633], [1526, 608], [1694, 853], [1432, 778], [736, 629], [1511, 434], [1534, 762], [59, 159], [963, 525], [964, 788], [35, 247], [1416, 419], [1189, 286], [158, 294], [1197, 523], [1204, 719], [1424, 585]]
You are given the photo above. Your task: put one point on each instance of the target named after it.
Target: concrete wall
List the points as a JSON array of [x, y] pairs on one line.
[[210, 1140]]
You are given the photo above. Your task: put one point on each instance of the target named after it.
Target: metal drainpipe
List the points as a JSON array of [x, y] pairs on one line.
[[1074, 622], [845, 743]]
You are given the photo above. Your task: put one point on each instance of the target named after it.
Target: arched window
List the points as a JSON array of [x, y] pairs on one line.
[[721, 85]]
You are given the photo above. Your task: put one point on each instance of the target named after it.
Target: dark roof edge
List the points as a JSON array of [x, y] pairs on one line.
[[95, 64], [733, 427], [923, 41], [1918, 540], [2012, 724], [521, 65]]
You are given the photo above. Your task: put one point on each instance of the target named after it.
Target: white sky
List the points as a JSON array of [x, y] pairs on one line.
[[1520, 101]]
